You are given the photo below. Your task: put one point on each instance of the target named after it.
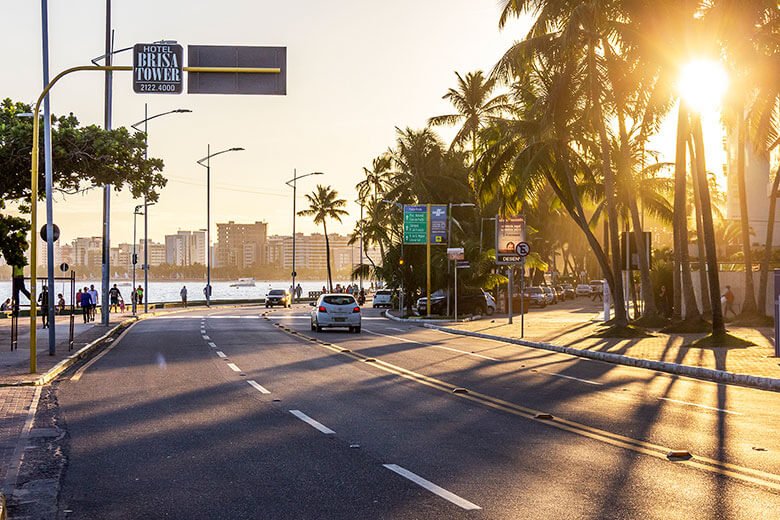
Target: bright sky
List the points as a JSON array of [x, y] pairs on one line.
[[356, 70]]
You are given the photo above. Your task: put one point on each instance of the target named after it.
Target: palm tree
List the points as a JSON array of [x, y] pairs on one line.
[[471, 98], [324, 205]]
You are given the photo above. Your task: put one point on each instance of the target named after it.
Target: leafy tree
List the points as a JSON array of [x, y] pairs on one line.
[[324, 205], [83, 157]]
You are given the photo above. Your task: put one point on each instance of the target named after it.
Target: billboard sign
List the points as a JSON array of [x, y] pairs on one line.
[[438, 224], [455, 253], [157, 68], [237, 56], [415, 224], [510, 232]]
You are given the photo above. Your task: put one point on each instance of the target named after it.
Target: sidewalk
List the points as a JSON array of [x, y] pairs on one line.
[[568, 324]]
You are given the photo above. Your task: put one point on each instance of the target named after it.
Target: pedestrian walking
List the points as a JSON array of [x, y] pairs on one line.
[[18, 287], [121, 305], [93, 295], [6, 305], [183, 294], [113, 296], [663, 303], [43, 302], [298, 292], [139, 294], [85, 300], [727, 300]]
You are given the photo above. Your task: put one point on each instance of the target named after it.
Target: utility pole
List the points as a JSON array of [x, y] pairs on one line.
[[107, 188]]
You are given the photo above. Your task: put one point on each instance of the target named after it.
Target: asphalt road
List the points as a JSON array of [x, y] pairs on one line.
[[223, 414]]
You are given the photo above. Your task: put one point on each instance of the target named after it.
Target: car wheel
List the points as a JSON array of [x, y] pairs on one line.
[[266, 305], [319, 329], [357, 329], [313, 327], [490, 311]]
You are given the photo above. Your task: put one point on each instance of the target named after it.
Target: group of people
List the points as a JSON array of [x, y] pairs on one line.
[[353, 289]]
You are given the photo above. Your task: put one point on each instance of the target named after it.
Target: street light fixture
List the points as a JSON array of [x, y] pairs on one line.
[[138, 211], [209, 155], [294, 187], [135, 127]]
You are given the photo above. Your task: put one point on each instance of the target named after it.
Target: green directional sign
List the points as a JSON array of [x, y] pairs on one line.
[[415, 224]]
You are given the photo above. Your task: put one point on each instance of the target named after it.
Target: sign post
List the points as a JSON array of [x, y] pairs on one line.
[[522, 249], [459, 264], [509, 232]]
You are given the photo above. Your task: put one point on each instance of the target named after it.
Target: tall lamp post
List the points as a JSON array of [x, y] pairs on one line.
[[136, 212], [449, 235], [293, 184], [145, 122], [208, 157]]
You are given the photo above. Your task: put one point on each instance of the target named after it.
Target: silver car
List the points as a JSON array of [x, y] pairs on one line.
[[335, 310]]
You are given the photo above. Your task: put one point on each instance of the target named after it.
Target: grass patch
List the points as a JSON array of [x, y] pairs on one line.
[[690, 326], [720, 341], [627, 332]]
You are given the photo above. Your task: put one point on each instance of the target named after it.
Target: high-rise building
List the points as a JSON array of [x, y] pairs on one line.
[[310, 252], [241, 245], [186, 248]]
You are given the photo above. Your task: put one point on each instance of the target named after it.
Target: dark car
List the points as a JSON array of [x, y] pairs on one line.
[[470, 301], [278, 297], [568, 291]]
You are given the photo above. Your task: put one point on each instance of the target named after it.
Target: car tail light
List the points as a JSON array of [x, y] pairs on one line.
[[356, 309], [322, 309]]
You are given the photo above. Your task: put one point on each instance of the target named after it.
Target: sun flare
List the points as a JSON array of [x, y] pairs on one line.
[[702, 84]]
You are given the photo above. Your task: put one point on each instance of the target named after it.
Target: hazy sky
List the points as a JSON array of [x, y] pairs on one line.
[[356, 70]]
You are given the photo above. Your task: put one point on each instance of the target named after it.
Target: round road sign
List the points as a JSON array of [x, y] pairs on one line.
[[522, 248]]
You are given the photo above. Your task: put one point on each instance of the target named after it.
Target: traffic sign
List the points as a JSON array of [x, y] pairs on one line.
[[522, 248], [55, 232], [64, 267], [462, 264], [415, 224], [455, 253], [157, 68], [438, 224]]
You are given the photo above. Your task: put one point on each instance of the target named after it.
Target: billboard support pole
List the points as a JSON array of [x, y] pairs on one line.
[[522, 296], [428, 260]]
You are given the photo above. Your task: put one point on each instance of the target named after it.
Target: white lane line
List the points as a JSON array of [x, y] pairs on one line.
[[221, 354], [465, 352], [233, 367], [433, 488], [206, 338], [699, 405], [212, 344], [258, 387], [311, 422], [80, 371], [586, 381], [396, 329]]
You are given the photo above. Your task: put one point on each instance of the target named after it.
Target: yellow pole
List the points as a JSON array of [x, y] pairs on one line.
[[428, 258]]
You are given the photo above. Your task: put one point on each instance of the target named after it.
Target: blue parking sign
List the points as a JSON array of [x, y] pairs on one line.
[[438, 224]]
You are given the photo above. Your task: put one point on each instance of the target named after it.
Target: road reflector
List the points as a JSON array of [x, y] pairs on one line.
[[370, 360], [544, 416], [345, 350], [459, 391], [679, 454]]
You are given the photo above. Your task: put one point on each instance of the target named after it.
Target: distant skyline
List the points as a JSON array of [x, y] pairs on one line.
[[356, 70]]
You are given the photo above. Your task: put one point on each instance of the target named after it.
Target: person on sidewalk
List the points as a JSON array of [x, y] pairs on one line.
[[60, 304], [728, 302], [43, 303], [18, 287], [85, 300], [6, 305], [139, 294], [298, 292], [183, 294], [114, 295], [93, 296]]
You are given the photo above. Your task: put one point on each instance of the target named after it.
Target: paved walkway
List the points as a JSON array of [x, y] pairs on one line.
[[570, 323]]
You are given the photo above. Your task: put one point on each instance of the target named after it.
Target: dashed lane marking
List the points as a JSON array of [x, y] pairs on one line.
[[464, 352], [206, 338], [212, 344], [221, 354], [233, 367], [697, 405], [311, 422], [259, 387], [433, 488]]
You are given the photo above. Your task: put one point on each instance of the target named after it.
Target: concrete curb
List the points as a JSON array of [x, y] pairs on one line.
[[708, 374]]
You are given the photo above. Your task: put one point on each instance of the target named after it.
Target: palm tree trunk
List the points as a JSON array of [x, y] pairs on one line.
[[749, 305], [770, 236], [682, 261], [718, 326], [327, 256], [706, 305]]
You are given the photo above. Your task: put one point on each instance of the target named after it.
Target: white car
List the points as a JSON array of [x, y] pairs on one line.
[[335, 310], [491, 304], [383, 298], [583, 289]]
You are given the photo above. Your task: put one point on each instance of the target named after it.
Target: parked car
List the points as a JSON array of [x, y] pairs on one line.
[[491, 304], [583, 289], [470, 301], [551, 298], [560, 295], [535, 296], [383, 298], [278, 297], [568, 291], [335, 310]]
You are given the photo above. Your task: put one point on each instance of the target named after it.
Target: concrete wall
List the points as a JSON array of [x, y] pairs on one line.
[[736, 279]]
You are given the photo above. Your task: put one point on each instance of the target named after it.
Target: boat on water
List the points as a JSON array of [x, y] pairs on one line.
[[244, 282]]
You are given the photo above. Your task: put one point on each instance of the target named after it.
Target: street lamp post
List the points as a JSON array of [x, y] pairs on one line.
[[449, 235], [145, 121], [208, 157], [401, 297], [294, 187], [136, 212]]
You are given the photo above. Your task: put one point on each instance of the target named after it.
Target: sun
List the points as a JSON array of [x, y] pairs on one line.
[[702, 84]]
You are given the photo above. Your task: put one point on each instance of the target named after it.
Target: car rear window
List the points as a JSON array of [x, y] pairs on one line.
[[276, 292], [384, 293], [339, 300]]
